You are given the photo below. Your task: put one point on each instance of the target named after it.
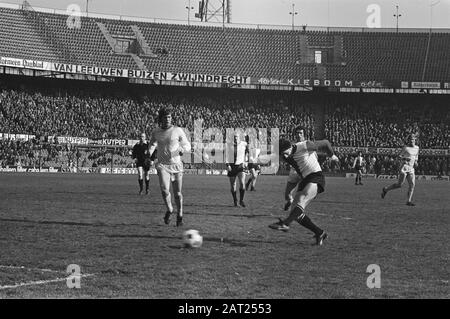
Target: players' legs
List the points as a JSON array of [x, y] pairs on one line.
[[164, 183], [177, 184], [288, 191], [233, 189], [250, 180], [301, 200], [411, 178], [254, 176], [141, 178], [401, 180], [358, 177], [147, 180], [241, 180]]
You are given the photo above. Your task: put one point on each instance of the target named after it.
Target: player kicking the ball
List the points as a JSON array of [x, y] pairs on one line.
[[293, 178], [409, 157], [171, 142], [302, 157]]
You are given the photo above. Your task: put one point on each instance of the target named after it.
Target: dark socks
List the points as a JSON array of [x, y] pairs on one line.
[[234, 196], [241, 194], [307, 223], [147, 183], [141, 184]]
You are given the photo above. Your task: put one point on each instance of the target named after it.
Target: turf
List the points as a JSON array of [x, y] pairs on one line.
[[99, 222]]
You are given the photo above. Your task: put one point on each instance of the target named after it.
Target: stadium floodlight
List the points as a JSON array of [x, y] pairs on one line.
[[189, 8], [397, 15], [293, 13]]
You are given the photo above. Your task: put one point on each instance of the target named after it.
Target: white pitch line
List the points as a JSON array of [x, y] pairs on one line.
[[40, 282], [27, 268], [327, 215]]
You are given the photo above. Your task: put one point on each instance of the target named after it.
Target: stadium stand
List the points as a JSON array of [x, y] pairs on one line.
[[279, 54], [50, 107]]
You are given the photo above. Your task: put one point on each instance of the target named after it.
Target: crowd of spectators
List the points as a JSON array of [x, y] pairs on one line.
[[117, 113], [387, 123], [388, 164], [91, 114]]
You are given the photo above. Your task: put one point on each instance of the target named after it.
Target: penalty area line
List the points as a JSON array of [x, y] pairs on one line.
[[328, 215], [30, 269], [41, 282]]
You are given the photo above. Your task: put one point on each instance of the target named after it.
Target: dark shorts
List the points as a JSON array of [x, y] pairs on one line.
[[315, 178], [254, 166], [235, 170], [358, 168], [144, 164]]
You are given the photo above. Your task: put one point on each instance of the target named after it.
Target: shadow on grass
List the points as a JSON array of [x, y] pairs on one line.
[[231, 242], [66, 223]]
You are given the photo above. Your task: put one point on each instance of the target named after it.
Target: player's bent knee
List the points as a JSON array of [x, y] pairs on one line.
[[178, 195], [165, 193]]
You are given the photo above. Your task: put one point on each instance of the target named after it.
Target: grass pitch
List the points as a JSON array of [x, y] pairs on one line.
[[118, 238]]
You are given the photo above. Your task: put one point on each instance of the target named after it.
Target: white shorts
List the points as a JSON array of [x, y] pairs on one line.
[[407, 169], [174, 170], [294, 178]]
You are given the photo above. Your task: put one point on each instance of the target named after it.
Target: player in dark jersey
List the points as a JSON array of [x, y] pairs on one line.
[[143, 162]]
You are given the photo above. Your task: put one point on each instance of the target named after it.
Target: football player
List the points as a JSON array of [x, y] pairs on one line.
[[253, 166], [409, 157], [302, 156], [143, 162], [358, 164], [293, 178], [171, 142], [236, 169]]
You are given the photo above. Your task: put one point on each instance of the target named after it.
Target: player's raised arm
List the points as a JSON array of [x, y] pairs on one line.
[[322, 146]]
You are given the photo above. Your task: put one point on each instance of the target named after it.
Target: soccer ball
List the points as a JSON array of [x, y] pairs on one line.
[[192, 238]]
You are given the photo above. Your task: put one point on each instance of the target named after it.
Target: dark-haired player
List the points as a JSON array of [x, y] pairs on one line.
[[171, 142], [293, 178], [236, 169], [358, 164], [302, 157]]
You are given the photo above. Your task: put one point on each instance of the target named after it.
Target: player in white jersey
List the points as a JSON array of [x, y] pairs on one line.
[[293, 178], [237, 159], [409, 158], [303, 157], [253, 166], [358, 164], [171, 142]]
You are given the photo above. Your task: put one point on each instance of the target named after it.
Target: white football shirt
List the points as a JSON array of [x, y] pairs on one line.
[[169, 143]]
